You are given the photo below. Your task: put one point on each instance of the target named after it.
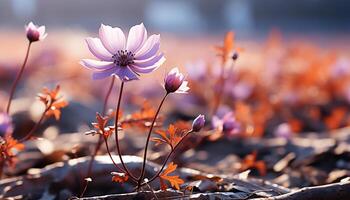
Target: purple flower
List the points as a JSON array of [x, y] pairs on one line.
[[283, 130], [35, 33], [340, 68], [5, 124], [197, 70], [125, 58], [242, 90], [227, 124], [198, 123], [174, 81]]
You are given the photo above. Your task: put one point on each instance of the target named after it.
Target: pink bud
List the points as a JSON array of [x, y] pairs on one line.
[[198, 123], [5, 124], [175, 82], [235, 56], [35, 33]]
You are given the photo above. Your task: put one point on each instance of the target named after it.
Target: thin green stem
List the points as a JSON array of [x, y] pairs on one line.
[[147, 141], [18, 77]]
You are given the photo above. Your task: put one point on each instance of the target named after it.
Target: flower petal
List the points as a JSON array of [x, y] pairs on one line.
[[145, 66], [183, 88], [43, 36], [30, 26], [126, 74], [137, 36], [41, 30], [96, 64], [113, 39], [103, 74], [149, 49], [97, 49]]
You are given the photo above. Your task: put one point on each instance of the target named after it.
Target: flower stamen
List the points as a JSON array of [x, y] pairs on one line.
[[123, 58]]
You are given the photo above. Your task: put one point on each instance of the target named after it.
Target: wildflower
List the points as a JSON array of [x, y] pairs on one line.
[[175, 82], [197, 70], [241, 90], [121, 57], [283, 130], [5, 124], [35, 33], [198, 123], [227, 124], [235, 56]]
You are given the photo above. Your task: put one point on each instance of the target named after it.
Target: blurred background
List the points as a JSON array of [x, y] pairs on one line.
[[247, 17], [189, 30], [291, 80]]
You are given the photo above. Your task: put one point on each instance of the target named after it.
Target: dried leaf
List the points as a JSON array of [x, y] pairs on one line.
[[53, 102], [171, 137], [175, 181], [250, 161], [119, 177]]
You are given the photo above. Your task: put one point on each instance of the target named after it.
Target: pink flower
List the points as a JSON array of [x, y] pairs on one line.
[[35, 33], [125, 58], [283, 130], [241, 90], [227, 124], [198, 123], [175, 82], [5, 124], [197, 70]]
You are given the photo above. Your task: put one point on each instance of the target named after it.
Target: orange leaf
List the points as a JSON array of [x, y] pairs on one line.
[[119, 177], [52, 101], [226, 50], [250, 161], [171, 137], [100, 126], [175, 181]]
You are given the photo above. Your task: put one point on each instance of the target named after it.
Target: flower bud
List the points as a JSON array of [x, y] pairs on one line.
[[235, 56], [35, 33], [175, 82], [284, 131], [198, 123], [5, 124]]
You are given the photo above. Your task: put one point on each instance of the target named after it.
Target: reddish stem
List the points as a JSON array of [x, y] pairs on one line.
[[105, 103], [84, 190], [115, 164], [29, 135], [116, 131], [100, 139], [36, 126], [147, 141], [18, 77], [167, 158], [2, 164], [221, 82]]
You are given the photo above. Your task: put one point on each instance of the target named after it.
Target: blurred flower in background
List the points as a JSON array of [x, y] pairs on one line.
[[227, 124], [5, 124], [283, 130]]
